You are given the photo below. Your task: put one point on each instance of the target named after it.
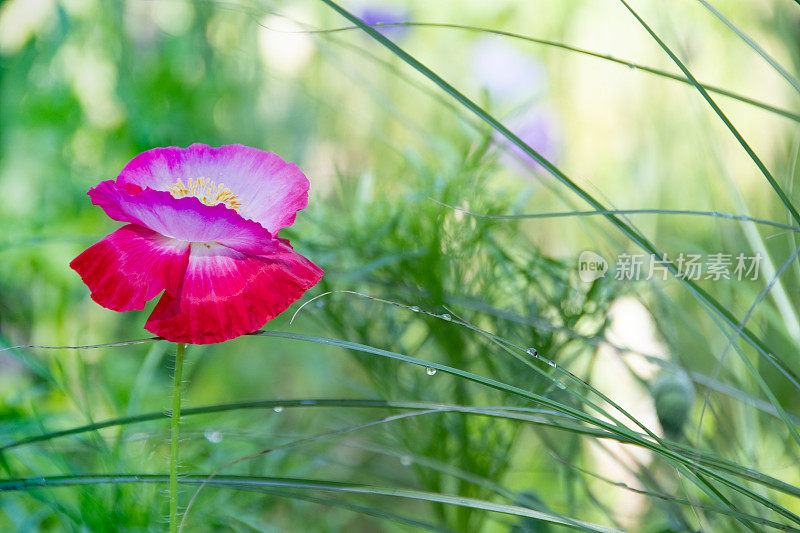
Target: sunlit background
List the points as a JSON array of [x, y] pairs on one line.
[[85, 85]]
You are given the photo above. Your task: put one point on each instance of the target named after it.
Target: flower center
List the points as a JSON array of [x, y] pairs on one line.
[[206, 191]]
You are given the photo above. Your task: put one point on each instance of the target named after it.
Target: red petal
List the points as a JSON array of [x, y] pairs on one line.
[[227, 293], [131, 266]]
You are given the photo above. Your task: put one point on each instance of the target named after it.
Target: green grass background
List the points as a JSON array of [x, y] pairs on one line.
[[499, 440]]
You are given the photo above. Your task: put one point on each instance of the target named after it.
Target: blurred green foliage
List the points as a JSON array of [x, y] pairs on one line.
[[85, 85]]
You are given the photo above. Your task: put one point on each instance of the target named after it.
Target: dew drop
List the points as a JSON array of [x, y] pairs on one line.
[[560, 385], [533, 352], [430, 371], [414, 308], [213, 436], [278, 408], [406, 460], [446, 317], [552, 363]]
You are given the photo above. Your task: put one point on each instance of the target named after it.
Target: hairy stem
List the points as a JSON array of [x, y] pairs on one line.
[[174, 441]]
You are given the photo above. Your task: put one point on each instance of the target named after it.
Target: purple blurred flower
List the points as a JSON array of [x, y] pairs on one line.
[[539, 130], [506, 72], [372, 14]]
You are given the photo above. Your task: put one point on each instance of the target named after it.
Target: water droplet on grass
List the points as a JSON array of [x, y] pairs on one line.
[[406, 460], [278, 408], [533, 352], [213, 436], [414, 308], [446, 317], [430, 371]]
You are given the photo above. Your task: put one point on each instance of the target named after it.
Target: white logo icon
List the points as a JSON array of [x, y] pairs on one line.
[[591, 266]]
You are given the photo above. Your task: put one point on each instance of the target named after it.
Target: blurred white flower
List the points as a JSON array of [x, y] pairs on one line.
[[20, 19], [282, 45], [632, 326], [144, 20], [94, 79], [138, 22]]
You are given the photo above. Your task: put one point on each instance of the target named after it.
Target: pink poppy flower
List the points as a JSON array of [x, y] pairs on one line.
[[202, 229]]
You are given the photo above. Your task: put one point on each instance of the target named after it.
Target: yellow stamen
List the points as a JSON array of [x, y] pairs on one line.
[[206, 191]]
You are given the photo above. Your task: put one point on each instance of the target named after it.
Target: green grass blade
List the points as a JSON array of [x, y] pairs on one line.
[[731, 339], [623, 434], [753, 371], [701, 295], [682, 212], [754, 45], [514, 412], [250, 482], [707, 97], [357, 508], [524, 414], [680, 501], [555, 44]]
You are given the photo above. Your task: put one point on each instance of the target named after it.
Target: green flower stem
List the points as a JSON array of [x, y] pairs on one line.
[[174, 441]]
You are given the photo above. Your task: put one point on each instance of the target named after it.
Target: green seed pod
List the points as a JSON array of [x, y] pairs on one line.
[[673, 395]]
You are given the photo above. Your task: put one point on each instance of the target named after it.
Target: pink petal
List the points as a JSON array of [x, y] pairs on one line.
[[131, 266], [270, 190], [227, 293], [185, 219]]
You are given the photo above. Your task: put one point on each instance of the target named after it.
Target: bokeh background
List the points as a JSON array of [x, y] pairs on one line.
[[85, 85]]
